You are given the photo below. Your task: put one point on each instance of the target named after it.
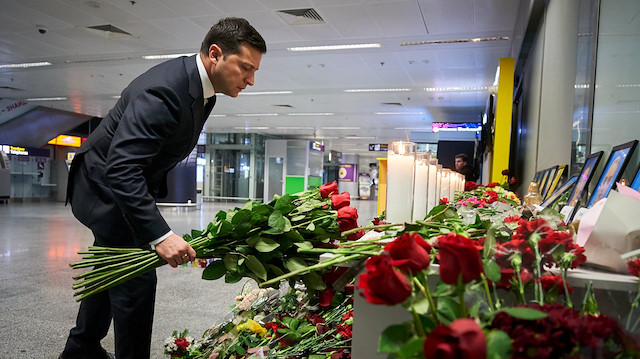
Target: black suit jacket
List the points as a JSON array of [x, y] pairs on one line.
[[121, 168]]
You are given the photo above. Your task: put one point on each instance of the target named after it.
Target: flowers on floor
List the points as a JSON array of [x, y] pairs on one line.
[[180, 345], [285, 323]]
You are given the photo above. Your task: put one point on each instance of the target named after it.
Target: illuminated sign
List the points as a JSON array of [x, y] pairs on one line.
[[64, 140], [317, 146], [459, 127], [21, 151], [70, 156], [378, 147]]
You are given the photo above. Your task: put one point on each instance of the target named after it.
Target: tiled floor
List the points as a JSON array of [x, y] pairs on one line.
[[37, 308]]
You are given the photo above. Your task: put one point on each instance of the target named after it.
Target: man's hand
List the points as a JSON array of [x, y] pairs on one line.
[[175, 250]]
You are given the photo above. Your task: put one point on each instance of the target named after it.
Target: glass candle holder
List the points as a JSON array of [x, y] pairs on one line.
[[420, 186], [445, 187], [400, 179], [438, 183], [432, 195]]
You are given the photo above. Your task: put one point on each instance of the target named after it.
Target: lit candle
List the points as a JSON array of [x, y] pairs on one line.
[[453, 181], [420, 186], [432, 196], [438, 183], [445, 184], [400, 178]]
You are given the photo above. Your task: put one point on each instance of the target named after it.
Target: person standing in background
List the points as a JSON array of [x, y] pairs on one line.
[[462, 166], [122, 167]]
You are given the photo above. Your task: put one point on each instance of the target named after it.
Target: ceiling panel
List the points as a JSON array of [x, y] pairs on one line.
[[101, 65]]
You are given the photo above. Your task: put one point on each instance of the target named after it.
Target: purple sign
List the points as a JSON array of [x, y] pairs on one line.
[[347, 172]]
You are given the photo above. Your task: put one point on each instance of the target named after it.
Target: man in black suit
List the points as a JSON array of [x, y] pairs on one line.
[[461, 161], [121, 169]]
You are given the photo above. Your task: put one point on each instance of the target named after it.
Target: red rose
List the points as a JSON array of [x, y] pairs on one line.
[[512, 181], [505, 172], [512, 219], [347, 218], [492, 184], [182, 343], [634, 267], [354, 236], [463, 339], [470, 186], [327, 189], [458, 257], [553, 282], [444, 200], [340, 200], [409, 253], [382, 284]]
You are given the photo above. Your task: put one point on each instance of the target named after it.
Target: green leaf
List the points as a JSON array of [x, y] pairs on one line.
[[304, 245], [295, 263], [317, 356], [214, 270], [421, 306], [489, 249], [233, 277], [448, 310], [394, 338], [298, 218], [231, 262], [248, 205], [224, 228], [294, 236], [277, 271], [283, 201], [287, 224], [413, 348], [524, 313], [239, 350], [498, 345], [221, 216], [311, 227], [276, 220], [274, 231], [195, 233], [314, 281], [266, 245], [241, 216], [492, 270], [256, 267]]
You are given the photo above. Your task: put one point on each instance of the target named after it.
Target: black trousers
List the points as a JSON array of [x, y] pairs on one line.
[[130, 304]]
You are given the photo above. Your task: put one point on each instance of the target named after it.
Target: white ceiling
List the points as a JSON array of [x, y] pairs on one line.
[[90, 67]]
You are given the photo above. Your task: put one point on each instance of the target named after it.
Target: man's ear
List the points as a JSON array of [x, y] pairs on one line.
[[215, 52]]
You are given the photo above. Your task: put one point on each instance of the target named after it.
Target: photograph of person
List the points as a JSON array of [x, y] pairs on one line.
[[613, 171], [636, 181], [584, 178], [559, 192]]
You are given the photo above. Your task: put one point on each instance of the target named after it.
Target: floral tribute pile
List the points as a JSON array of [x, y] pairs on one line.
[[285, 323]]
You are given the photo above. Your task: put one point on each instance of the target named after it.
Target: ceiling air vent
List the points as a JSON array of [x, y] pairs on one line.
[[110, 31], [301, 16]]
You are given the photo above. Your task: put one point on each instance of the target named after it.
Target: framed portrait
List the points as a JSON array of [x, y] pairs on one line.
[[555, 181], [536, 177], [612, 173], [566, 187], [550, 173], [636, 181], [585, 176]]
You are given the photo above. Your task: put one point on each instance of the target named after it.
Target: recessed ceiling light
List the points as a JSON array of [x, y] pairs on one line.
[[266, 93], [334, 47], [312, 114], [251, 128], [255, 114], [47, 99], [625, 85], [25, 65], [476, 39], [453, 89], [116, 96], [294, 128], [165, 57], [359, 137], [378, 90], [398, 113], [217, 115], [413, 128], [340, 128]]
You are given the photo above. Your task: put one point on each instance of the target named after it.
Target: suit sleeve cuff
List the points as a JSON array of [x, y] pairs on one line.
[[153, 243]]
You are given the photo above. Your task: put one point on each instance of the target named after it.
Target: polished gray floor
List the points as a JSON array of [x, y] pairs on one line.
[[37, 308]]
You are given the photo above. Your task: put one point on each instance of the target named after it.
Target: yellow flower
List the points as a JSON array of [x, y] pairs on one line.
[[252, 326]]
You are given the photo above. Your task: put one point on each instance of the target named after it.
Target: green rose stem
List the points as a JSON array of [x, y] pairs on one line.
[[340, 251], [328, 263], [461, 287], [537, 285], [634, 305], [304, 224], [563, 273], [377, 226], [427, 293], [516, 262], [485, 284]]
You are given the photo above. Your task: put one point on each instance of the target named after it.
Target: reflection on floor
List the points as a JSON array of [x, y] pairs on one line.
[[39, 240]]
